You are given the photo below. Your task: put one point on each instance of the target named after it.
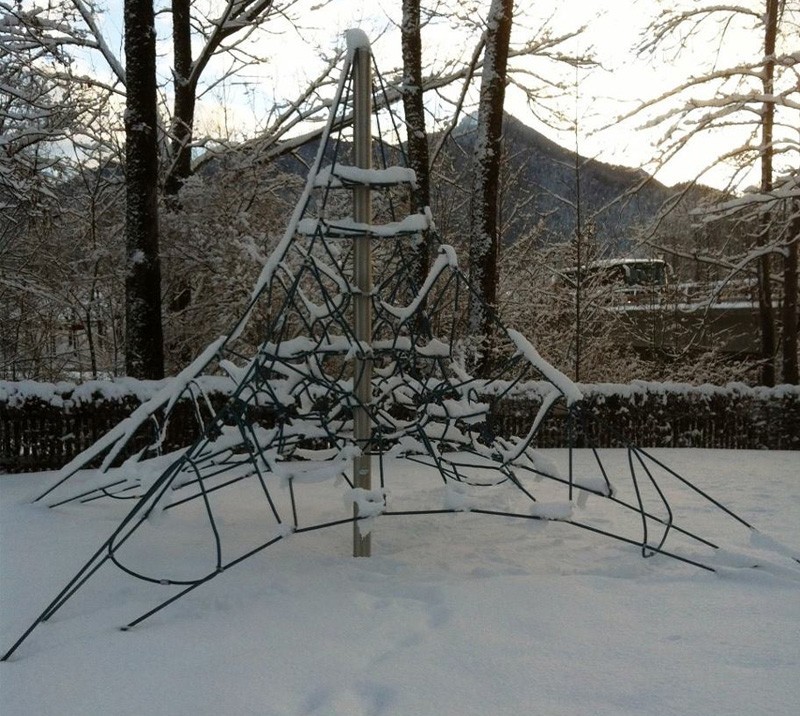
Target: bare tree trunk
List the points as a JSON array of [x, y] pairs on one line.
[[415, 124], [579, 253], [144, 352], [484, 238], [88, 317], [185, 97], [790, 291], [237, 17], [766, 318]]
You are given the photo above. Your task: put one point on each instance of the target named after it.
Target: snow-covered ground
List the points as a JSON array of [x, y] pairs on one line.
[[454, 614]]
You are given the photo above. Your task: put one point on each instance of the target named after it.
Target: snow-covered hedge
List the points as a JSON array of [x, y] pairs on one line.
[[669, 415], [43, 425], [66, 395]]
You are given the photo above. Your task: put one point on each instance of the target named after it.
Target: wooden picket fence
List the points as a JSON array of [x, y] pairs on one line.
[[43, 431]]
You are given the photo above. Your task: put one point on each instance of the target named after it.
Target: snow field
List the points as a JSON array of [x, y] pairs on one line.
[[455, 614]]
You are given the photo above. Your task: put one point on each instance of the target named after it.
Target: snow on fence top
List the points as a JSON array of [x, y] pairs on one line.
[[16, 394]]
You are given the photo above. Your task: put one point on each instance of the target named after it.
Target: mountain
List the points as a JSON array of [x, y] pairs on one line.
[[539, 188], [542, 177]]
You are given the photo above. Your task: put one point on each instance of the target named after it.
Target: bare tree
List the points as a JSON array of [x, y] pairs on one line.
[[757, 96], [237, 21], [414, 110], [791, 316], [144, 344], [767, 321], [61, 26], [41, 105], [50, 139], [484, 240]]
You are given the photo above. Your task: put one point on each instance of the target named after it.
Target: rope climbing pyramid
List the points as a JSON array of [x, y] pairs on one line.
[[360, 363], [359, 360]]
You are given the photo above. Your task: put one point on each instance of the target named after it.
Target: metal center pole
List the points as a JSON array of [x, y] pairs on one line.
[[362, 278]]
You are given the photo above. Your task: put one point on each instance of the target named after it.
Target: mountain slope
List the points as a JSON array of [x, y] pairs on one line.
[[546, 179]]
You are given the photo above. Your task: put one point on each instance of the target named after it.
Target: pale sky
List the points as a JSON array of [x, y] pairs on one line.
[[613, 28]]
